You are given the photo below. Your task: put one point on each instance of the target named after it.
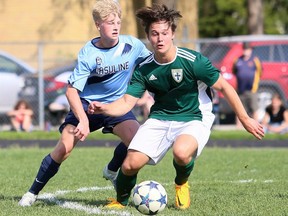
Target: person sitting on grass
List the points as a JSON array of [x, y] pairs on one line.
[[276, 116], [21, 116]]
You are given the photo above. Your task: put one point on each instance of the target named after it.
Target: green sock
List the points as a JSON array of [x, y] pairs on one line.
[[124, 186], [183, 172]]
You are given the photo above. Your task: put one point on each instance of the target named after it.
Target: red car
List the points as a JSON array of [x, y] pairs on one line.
[[273, 53]]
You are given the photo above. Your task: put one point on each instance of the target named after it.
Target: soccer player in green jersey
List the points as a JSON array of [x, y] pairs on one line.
[[181, 117]]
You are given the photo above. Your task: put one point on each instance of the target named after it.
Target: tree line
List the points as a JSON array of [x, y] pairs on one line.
[[206, 19]]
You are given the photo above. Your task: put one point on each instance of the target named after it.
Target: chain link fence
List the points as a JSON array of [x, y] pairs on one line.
[[273, 54], [56, 60]]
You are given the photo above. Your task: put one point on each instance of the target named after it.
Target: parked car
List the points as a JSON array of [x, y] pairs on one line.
[[273, 53], [12, 72], [55, 82]]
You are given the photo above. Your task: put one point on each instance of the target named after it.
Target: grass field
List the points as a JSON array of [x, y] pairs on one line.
[[54, 135], [225, 181]]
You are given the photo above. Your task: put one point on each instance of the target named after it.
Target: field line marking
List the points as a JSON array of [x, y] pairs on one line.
[[52, 198], [252, 181]]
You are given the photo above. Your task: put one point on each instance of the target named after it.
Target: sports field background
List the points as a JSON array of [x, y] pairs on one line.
[[230, 180]]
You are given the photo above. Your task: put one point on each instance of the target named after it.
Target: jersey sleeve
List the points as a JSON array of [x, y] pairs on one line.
[[136, 87], [80, 74], [205, 71], [143, 52]]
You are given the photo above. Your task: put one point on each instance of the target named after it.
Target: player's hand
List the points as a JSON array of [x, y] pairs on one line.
[[95, 107], [254, 127], [81, 131]]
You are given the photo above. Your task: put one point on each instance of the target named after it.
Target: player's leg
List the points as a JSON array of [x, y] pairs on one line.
[[184, 152], [50, 165], [127, 176], [125, 127], [125, 130], [52, 161], [110, 171], [189, 143], [149, 145]]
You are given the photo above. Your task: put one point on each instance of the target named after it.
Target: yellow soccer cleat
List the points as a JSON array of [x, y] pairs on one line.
[[182, 199], [114, 204]]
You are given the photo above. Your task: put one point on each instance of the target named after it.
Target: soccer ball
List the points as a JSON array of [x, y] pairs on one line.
[[149, 197]]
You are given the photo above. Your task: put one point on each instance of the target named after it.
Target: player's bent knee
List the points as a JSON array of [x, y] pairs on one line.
[[183, 158], [134, 162], [130, 168]]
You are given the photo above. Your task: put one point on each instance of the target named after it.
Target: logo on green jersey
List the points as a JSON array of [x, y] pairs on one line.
[[177, 74]]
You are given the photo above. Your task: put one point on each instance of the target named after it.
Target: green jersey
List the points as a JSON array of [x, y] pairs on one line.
[[181, 88]]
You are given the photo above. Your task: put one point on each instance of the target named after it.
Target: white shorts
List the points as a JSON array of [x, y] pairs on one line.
[[155, 137]]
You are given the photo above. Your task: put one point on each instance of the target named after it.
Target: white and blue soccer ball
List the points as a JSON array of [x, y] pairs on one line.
[[149, 197]]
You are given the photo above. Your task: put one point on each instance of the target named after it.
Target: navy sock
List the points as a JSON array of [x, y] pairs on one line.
[[120, 153], [46, 171]]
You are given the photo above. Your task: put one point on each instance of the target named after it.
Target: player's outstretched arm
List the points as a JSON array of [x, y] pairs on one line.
[[251, 125], [116, 108]]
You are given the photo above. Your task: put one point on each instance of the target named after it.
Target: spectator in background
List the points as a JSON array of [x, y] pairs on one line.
[[276, 116], [21, 116], [248, 70]]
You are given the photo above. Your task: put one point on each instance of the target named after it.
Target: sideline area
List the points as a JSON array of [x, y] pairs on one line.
[[219, 142], [113, 143]]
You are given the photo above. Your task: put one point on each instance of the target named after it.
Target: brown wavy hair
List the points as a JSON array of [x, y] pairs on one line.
[[156, 13]]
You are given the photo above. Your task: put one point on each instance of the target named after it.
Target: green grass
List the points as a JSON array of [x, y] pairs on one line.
[[52, 135], [225, 181]]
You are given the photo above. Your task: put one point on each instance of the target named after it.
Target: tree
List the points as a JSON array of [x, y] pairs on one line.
[[128, 22], [238, 17], [255, 16], [168, 3], [222, 18], [275, 17], [188, 26], [140, 30]]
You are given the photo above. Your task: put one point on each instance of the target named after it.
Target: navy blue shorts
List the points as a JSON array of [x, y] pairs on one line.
[[97, 121]]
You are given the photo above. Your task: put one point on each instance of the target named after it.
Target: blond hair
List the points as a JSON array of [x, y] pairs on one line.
[[103, 8]]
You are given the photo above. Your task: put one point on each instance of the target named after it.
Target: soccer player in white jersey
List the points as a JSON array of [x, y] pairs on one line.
[[104, 68], [181, 117]]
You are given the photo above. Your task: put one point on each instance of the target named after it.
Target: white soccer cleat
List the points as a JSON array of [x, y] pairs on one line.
[[110, 175], [28, 199]]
